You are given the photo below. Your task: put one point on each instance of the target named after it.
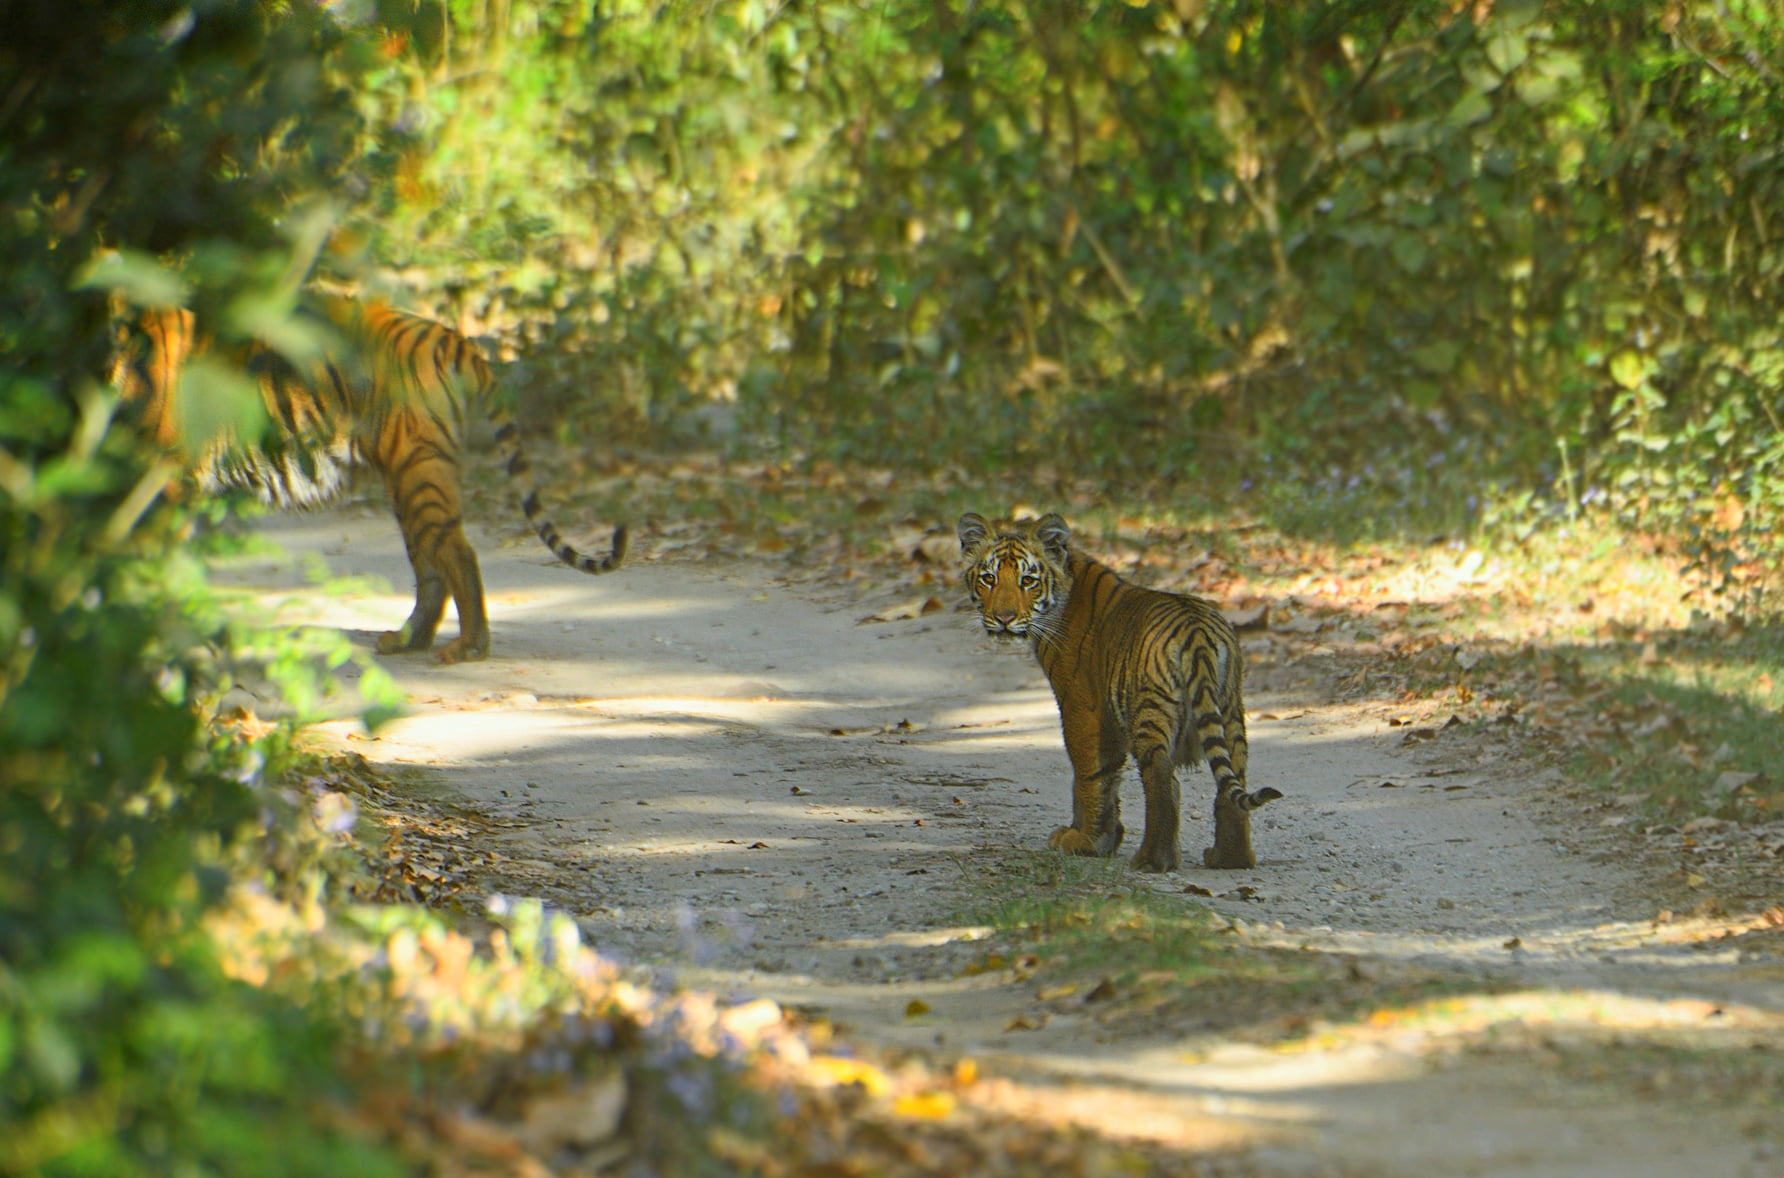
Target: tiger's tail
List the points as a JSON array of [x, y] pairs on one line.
[[1222, 735], [466, 369], [1217, 714], [514, 458], [1217, 741]]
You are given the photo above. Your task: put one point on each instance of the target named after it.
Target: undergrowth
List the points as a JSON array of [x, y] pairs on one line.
[[1694, 720], [1142, 959]]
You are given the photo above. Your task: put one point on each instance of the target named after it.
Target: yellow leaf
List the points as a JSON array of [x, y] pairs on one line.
[[915, 1007], [852, 1071], [1630, 368], [925, 1106]]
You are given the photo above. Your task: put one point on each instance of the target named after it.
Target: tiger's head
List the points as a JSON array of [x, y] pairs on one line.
[[1015, 571]]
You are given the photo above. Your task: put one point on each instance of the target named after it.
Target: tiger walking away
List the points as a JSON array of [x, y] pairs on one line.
[[1135, 671], [395, 395]]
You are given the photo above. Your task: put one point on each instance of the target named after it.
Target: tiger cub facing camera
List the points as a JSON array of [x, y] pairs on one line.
[[1135, 672]]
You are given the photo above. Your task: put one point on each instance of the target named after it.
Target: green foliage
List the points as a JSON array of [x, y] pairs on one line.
[[156, 129], [1334, 231], [1329, 246], [611, 187]]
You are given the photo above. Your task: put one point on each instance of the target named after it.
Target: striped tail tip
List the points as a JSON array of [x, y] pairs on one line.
[[606, 564]]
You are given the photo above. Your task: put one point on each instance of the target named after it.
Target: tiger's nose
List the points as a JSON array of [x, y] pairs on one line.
[[1003, 617]]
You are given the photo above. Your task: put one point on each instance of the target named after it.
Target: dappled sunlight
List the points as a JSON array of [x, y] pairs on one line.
[[1335, 1080], [722, 782], [1556, 949], [1212, 1123]]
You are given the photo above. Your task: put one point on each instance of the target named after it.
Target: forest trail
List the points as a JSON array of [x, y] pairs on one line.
[[742, 782]]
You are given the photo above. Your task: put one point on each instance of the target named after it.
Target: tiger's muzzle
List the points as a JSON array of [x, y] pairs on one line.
[[1005, 624]]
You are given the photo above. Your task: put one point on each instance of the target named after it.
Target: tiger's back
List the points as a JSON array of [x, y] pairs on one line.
[[395, 394], [1158, 676]]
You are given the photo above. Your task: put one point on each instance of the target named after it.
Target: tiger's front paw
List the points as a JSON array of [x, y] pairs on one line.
[[400, 642], [1072, 841], [1166, 858], [463, 650]]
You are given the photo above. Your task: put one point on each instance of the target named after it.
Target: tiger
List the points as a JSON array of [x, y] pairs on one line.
[[1135, 671], [394, 395]]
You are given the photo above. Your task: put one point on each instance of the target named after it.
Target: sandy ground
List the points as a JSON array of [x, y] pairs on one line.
[[741, 782]]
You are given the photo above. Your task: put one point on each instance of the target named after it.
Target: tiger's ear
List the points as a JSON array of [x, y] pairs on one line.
[[1054, 535], [972, 530]]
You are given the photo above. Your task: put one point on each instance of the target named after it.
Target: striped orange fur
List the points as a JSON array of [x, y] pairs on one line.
[[395, 395], [1136, 672]]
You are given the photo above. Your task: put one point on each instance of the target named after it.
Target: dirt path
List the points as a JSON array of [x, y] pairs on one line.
[[739, 781]]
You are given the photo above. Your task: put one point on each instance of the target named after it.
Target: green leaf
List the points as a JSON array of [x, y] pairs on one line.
[[217, 400], [1478, 74], [71, 476], [267, 316], [1438, 357], [1630, 368], [1410, 252], [90, 963], [1536, 88], [51, 1053], [1506, 49], [1471, 108], [138, 277], [1423, 394]]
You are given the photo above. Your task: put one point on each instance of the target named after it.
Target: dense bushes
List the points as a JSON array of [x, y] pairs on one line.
[[1338, 245], [145, 129]]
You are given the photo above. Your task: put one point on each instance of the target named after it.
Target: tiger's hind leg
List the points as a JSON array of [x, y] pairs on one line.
[[465, 579], [1232, 804], [430, 605], [1158, 846], [1232, 827], [1232, 834], [421, 471]]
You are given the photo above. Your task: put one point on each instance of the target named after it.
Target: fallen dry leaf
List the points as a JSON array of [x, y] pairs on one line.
[[834, 1069], [905, 610], [1101, 992], [925, 1106], [580, 1117], [1256, 617], [1733, 781], [940, 548]]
